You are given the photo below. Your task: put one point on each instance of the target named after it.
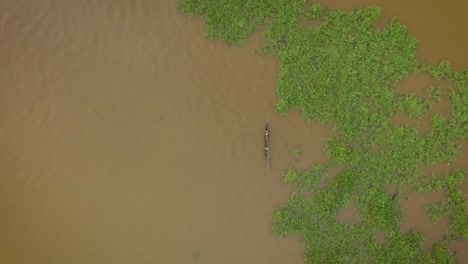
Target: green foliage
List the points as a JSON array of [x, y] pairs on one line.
[[421, 183], [443, 255], [307, 180], [436, 211], [336, 194], [456, 207], [379, 209], [459, 99], [338, 152], [315, 11], [435, 93], [325, 72], [458, 211], [401, 248], [439, 254], [344, 73], [439, 71], [414, 105], [230, 21], [292, 217], [439, 142]]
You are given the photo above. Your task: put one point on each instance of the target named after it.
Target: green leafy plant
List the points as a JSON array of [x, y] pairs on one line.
[[439, 71], [415, 106], [435, 93], [315, 11], [436, 211]]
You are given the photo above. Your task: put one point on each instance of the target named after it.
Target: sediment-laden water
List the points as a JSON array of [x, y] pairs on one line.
[[128, 137]]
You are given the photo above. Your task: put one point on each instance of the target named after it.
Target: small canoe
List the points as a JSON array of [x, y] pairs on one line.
[[266, 138]]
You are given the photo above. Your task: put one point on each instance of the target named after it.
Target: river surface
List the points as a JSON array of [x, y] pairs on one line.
[[128, 137]]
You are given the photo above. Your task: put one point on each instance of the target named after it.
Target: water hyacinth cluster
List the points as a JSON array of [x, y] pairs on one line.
[[340, 70]]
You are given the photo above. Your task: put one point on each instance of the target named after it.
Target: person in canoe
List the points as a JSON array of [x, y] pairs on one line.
[[266, 137]]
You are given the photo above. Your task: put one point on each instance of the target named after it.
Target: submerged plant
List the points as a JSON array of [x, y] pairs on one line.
[[296, 152]]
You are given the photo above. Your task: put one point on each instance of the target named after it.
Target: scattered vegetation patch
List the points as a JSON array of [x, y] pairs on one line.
[[343, 72], [296, 152], [436, 211], [439, 71], [435, 93], [415, 106]]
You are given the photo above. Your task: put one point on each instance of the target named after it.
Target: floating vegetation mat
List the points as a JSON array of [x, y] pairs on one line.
[[338, 69]]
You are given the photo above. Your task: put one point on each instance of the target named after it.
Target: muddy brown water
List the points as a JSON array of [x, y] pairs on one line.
[[127, 137]]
